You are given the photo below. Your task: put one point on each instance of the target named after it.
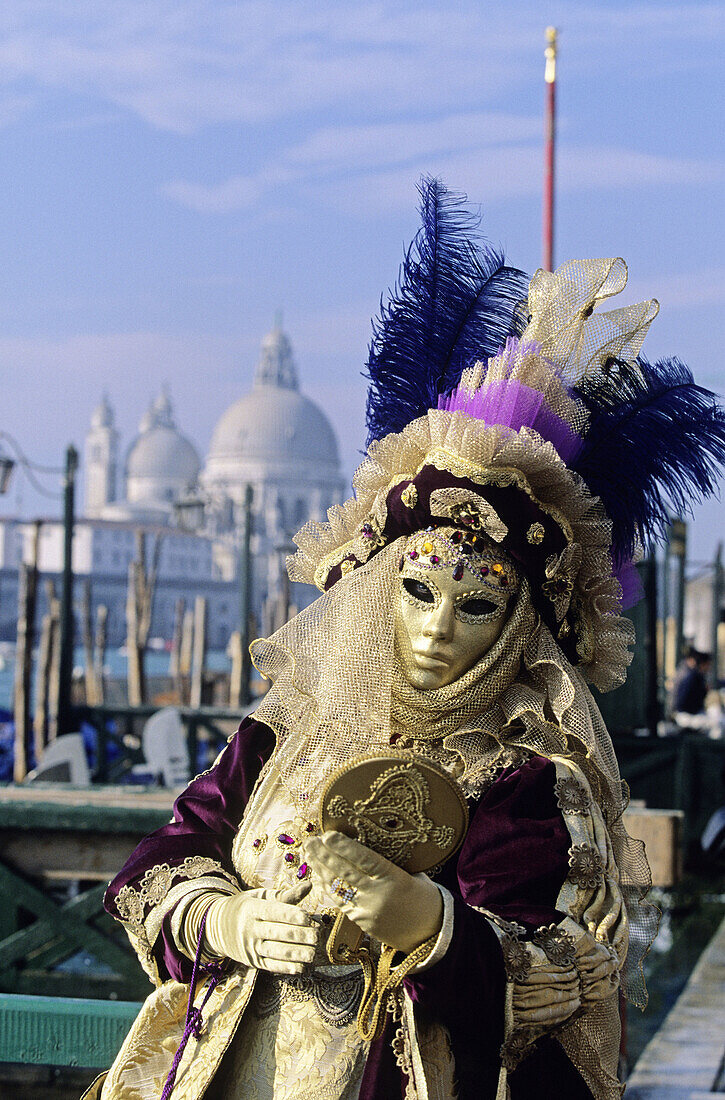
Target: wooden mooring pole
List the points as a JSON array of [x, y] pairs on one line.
[[27, 591], [66, 594], [46, 706], [197, 668]]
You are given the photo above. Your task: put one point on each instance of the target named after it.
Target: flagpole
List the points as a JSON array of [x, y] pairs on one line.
[[549, 142]]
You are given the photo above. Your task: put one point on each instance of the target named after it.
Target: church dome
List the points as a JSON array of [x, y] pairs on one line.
[[161, 462], [163, 453], [275, 423]]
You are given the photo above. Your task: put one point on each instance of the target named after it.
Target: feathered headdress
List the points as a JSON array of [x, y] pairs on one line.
[[524, 412], [456, 302]]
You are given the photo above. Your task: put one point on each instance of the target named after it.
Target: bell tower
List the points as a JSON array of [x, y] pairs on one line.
[[101, 459]]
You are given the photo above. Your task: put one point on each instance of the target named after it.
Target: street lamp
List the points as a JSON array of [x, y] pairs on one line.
[[189, 512]]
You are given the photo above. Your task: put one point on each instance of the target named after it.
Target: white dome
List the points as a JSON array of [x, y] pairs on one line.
[[165, 454], [276, 425]]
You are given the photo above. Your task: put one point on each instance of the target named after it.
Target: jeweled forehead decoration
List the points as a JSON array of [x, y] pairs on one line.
[[463, 552]]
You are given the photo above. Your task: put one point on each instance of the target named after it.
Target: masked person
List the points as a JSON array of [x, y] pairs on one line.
[[470, 589]]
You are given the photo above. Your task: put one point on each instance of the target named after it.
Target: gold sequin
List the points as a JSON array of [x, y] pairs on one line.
[[346, 567], [535, 534], [409, 496]]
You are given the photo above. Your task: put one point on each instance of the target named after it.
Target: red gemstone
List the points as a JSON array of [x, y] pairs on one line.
[[434, 559], [413, 554], [503, 581], [302, 870], [310, 827], [456, 536], [367, 531], [257, 843], [458, 572], [484, 570], [291, 857], [285, 838]]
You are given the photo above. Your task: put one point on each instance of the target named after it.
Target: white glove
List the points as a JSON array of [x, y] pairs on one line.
[[396, 908], [261, 929]]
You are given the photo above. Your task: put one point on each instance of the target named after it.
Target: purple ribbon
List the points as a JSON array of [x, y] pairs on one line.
[[194, 1019]]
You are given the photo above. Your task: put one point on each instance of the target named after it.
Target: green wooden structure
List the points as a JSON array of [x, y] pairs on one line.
[[62, 1031], [59, 849]]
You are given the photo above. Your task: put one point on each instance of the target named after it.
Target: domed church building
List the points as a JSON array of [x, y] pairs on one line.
[[273, 439], [280, 443], [161, 465]]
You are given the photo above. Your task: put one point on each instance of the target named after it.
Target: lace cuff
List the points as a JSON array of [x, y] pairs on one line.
[[142, 908]]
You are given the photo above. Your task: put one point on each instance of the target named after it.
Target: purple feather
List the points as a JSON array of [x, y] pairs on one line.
[[509, 403], [456, 302], [655, 446]]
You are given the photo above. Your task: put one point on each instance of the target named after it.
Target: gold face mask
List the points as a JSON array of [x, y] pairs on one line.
[[453, 604]]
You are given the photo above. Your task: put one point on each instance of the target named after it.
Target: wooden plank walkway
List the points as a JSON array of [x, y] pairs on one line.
[[684, 1060]]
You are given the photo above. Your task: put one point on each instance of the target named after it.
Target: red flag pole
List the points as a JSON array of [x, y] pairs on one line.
[[549, 140]]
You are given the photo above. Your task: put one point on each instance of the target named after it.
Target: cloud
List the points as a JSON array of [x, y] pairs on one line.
[[15, 107], [681, 290], [196, 63], [374, 176], [236, 193], [346, 152]]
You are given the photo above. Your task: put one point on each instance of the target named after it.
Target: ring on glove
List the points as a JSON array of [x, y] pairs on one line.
[[343, 890]]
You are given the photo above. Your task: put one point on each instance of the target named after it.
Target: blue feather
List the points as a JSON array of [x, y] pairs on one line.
[[456, 302], [655, 445]]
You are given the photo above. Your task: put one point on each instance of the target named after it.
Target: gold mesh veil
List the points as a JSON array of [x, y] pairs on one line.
[[336, 694]]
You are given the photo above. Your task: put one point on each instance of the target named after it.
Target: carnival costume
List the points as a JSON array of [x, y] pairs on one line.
[[520, 454]]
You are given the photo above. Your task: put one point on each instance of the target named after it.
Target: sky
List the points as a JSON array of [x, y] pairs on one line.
[[174, 172]]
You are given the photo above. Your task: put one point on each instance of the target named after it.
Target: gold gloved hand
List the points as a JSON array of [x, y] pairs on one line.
[[262, 929], [547, 996], [598, 968], [394, 907]]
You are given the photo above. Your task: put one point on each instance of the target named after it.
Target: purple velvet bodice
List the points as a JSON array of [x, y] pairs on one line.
[[513, 862]]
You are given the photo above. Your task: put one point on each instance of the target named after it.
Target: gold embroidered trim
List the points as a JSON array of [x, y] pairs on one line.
[[572, 797], [409, 496], [447, 501], [501, 476], [516, 1047], [516, 958], [154, 887], [558, 946], [585, 866]]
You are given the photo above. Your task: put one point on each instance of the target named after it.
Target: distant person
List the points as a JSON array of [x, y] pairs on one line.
[[690, 696]]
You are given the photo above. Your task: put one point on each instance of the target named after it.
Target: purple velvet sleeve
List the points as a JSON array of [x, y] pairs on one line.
[[513, 862], [206, 818]]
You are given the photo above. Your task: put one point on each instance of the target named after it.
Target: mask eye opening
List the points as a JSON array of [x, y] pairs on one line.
[[418, 590], [478, 608]]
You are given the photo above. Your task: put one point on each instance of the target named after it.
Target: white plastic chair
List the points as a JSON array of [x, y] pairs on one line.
[[64, 761], [164, 746]]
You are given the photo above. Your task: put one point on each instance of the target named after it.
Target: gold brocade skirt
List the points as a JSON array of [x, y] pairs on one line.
[[298, 1041]]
